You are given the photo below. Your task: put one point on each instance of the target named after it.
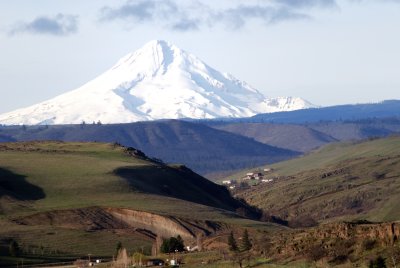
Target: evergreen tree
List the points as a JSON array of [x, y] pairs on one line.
[[118, 248], [246, 244], [180, 246], [232, 243], [379, 262], [165, 246], [14, 249], [172, 244]]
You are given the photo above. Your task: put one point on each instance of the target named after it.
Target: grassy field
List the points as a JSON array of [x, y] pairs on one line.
[[74, 175], [338, 182], [344, 181], [329, 155], [42, 177]]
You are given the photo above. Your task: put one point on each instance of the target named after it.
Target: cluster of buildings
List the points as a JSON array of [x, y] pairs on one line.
[[257, 177]]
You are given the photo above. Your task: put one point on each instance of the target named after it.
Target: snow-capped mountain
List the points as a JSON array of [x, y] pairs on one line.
[[281, 104], [158, 81]]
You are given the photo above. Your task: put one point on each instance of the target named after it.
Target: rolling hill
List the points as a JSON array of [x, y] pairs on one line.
[[292, 137], [309, 136], [52, 172], [341, 181], [213, 148], [359, 129], [5, 139], [57, 199], [203, 149]]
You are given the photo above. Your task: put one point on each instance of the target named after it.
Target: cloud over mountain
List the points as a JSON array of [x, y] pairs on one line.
[[193, 15], [59, 25]]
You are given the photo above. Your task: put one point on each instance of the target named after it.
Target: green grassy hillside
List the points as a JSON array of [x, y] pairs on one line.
[[60, 175], [331, 154], [205, 150], [50, 193], [343, 181]]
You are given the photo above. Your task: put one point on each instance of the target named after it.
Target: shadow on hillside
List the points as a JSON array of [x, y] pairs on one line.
[[180, 183], [16, 186]]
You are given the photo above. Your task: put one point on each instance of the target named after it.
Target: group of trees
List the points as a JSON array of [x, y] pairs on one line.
[[245, 243], [83, 123], [123, 259], [172, 244], [240, 253]]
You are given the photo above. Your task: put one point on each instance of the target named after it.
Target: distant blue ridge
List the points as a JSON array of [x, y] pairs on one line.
[[350, 112]]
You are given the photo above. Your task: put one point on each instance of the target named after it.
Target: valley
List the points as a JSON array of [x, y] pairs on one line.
[[58, 198], [205, 150], [214, 148], [162, 160]]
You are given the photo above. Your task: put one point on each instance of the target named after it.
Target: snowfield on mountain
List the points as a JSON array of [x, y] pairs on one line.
[[158, 81]]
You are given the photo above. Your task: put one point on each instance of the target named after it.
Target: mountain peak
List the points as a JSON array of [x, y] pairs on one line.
[[157, 81], [160, 47], [158, 42], [150, 58]]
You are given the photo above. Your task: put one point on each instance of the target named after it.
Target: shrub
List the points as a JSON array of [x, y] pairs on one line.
[[369, 244], [379, 262], [316, 253]]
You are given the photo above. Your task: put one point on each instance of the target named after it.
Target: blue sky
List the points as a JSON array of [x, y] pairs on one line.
[[326, 51]]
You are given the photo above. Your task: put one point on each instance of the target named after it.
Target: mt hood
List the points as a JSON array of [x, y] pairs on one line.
[[158, 81]]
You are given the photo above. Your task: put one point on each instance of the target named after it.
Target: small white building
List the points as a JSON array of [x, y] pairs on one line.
[[232, 187], [267, 180], [227, 182], [250, 174]]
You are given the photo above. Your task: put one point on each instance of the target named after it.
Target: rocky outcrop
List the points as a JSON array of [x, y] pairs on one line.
[[164, 226], [149, 224], [334, 239], [385, 232]]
